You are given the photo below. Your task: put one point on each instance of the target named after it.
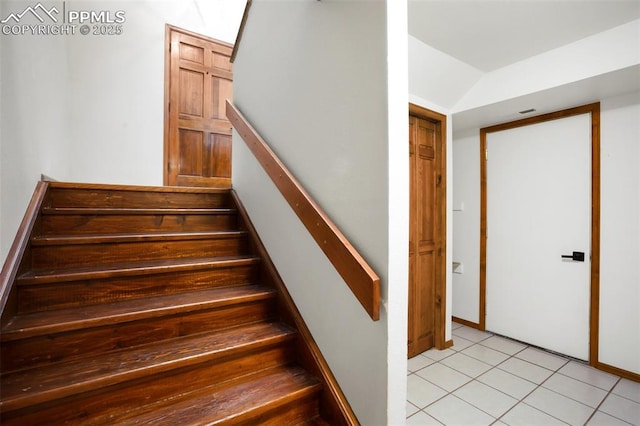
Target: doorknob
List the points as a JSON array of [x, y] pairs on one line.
[[577, 256]]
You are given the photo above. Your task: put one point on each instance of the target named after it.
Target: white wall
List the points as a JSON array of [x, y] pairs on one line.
[[466, 225], [315, 87], [398, 208], [437, 77], [620, 230], [90, 108], [614, 49], [34, 122], [2, 6]]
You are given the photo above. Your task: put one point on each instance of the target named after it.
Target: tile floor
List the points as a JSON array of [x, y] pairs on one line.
[[485, 379]]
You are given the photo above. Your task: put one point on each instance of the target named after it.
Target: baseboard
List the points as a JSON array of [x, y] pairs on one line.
[[465, 322], [618, 371]]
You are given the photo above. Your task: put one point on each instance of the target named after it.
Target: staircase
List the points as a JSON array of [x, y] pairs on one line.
[[138, 305]]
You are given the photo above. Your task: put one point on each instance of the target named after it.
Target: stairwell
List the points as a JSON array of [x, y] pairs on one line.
[[141, 305]]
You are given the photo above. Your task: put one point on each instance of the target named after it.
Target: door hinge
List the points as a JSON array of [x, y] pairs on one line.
[[486, 155]]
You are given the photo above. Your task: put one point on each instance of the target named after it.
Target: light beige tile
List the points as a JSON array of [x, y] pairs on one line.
[[486, 398], [418, 362], [507, 383], [526, 370], [525, 415], [590, 375], [542, 358], [559, 406], [575, 389], [438, 355], [422, 419], [460, 343], [602, 419], [411, 409], [471, 334], [421, 392], [466, 365], [485, 354], [443, 376], [622, 408], [451, 410], [628, 389], [503, 345]]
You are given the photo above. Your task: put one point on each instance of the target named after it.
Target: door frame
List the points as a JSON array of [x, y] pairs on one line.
[[441, 217], [594, 307], [169, 29]]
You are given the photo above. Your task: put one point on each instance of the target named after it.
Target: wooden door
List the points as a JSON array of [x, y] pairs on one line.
[[426, 236], [197, 133]]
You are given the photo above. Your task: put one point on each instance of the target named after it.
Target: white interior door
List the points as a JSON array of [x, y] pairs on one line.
[[538, 209]]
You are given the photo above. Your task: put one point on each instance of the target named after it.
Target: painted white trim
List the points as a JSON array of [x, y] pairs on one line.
[[398, 208]]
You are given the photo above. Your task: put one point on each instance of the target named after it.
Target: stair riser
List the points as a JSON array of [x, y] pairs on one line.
[[297, 413], [142, 305], [138, 396], [88, 224], [89, 341], [241, 403], [102, 198], [34, 298], [81, 255]]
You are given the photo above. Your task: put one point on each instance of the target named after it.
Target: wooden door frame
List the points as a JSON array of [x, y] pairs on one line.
[[167, 88], [594, 110], [440, 121]]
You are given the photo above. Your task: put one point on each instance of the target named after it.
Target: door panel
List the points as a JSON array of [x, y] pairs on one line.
[[190, 152], [538, 209], [422, 232], [198, 148], [191, 93]]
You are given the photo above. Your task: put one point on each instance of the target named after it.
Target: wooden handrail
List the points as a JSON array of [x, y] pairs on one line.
[[20, 245], [359, 276]]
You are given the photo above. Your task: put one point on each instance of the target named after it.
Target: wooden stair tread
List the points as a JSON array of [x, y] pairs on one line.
[[129, 237], [242, 402], [63, 320], [132, 211], [135, 197], [134, 268], [47, 383], [139, 305], [138, 188], [316, 421]]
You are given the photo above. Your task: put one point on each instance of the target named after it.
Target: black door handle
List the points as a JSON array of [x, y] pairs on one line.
[[577, 256]]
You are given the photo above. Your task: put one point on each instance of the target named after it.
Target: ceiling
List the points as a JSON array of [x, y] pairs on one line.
[[490, 34]]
